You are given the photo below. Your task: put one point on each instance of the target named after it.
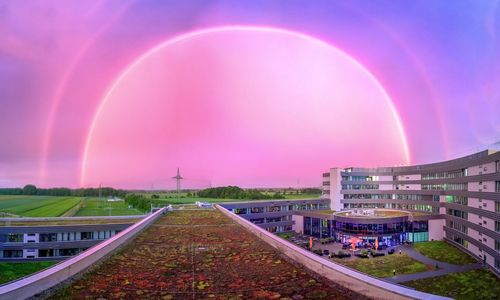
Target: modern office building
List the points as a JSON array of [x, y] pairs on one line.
[[56, 238], [457, 200], [386, 226], [275, 215]]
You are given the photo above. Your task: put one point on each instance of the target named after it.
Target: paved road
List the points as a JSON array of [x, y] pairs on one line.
[[444, 268]]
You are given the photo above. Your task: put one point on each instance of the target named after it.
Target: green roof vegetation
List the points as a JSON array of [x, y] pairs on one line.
[[200, 255], [474, 284], [325, 211], [10, 271], [445, 252], [86, 221]]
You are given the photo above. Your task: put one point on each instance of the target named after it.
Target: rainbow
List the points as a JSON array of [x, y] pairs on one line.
[[197, 33]]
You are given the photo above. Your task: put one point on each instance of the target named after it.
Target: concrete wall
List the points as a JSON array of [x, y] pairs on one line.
[[46, 279], [359, 282], [482, 169], [298, 224], [436, 231], [409, 177], [335, 188]]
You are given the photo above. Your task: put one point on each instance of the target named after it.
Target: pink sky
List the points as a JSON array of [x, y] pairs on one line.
[[246, 109], [251, 106]]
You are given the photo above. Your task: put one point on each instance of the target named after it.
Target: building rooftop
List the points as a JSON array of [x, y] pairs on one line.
[[199, 255], [65, 221]]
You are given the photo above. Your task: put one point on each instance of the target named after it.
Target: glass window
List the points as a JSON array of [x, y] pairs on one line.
[[87, 235], [69, 252], [48, 237], [15, 237], [46, 252], [12, 253]]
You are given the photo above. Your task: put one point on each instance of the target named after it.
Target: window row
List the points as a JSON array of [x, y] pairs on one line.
[[457, 199], [278, 208], [457, 213], [446, 186], [57, 236], [360, 186], [457, 226], [441, 175]]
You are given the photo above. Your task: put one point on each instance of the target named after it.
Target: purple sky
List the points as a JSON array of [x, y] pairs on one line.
[[245, 107]]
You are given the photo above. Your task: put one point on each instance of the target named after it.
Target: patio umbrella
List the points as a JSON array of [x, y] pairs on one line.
[[354, 241]]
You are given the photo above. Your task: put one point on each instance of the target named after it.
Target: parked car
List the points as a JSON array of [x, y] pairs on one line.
[[326, 252]]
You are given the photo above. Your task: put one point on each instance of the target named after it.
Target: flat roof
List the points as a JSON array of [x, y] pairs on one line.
[[66, 221], [197, 255]]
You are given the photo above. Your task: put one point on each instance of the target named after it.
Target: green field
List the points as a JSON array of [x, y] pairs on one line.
[[37, 206], [184, 199], [191, 200], [11, 271], [475, 284], [443, 251], [96, 207]]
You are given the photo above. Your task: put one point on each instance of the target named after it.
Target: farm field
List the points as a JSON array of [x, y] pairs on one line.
[[96, 207], [37, 206]]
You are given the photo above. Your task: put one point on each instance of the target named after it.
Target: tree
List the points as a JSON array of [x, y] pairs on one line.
[[29, 189]]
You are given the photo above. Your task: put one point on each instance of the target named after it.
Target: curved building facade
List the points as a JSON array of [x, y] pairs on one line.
[[462, 196]]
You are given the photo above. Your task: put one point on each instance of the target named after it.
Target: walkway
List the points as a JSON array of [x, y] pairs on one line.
[[444, 268]]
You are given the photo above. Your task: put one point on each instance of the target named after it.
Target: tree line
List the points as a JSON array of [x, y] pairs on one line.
[[32, 190], [235, 192]]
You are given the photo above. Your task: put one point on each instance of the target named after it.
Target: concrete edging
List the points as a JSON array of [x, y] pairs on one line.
[[349, 278], [39, 282]]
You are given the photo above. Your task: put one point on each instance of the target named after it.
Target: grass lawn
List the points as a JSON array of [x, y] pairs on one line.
[[37, 206], [383, 266], [10, 271], [96, 207], [442, 251], [474, 284]]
